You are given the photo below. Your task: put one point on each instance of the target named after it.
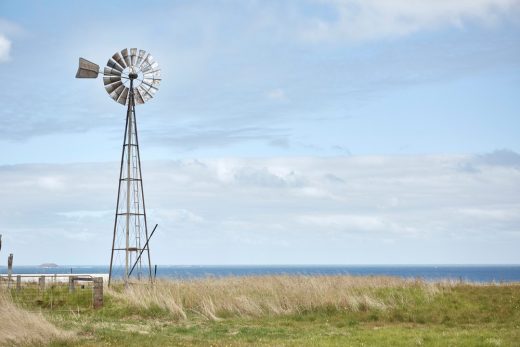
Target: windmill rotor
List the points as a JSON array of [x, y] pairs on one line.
[[125, 69]]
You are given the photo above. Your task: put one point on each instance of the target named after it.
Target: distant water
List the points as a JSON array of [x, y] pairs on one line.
[[472, 273]]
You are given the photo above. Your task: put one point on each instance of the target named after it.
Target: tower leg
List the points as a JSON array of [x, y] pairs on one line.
[[144, 206], [110, 273], [128, 183]]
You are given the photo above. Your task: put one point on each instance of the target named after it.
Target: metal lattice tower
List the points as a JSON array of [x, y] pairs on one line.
[[129, 78]]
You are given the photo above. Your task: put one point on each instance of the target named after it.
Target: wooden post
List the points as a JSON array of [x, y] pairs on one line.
[[72, 284], [18, 283], [9, 269], [97, 295], [41, 281]]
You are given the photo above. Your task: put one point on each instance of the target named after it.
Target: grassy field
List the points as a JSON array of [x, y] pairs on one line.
[[285, 311]]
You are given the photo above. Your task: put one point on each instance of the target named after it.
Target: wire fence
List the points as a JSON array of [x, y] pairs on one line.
[[54, 292]]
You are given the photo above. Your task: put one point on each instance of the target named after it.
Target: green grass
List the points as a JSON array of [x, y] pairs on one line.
[[54, 296], [457, 315]]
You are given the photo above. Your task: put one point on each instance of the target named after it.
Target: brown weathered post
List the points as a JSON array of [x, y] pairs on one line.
[[72, 284], [97, 295], [41, 281], [18, 283], [9, 269]]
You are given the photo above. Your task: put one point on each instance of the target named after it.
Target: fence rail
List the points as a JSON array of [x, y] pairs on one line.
[[54, 292]]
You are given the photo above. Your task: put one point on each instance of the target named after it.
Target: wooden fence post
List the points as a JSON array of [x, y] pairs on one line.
[[9, 269], [72, 284], [18, 283], [41, 281], [97, 295]]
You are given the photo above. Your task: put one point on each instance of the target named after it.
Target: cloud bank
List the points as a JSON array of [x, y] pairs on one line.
[[275, 210], [375, 19]]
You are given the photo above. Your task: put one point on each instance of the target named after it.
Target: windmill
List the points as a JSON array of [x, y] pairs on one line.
[[131, 77]]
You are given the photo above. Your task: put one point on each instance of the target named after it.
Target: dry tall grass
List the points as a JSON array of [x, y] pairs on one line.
[[20, 327], [214, 298]]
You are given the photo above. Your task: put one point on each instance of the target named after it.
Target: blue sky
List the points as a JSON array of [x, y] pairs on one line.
[[283, 132]]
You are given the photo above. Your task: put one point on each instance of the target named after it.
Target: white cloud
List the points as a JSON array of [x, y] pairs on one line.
[[85, 214], [345, 222], [374, 19], [8, 29], [51, 183], [494, 213], [5, 48], [277, 95], [177, 216]]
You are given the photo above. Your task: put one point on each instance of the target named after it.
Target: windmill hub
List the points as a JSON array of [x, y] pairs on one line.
[[133, 76]]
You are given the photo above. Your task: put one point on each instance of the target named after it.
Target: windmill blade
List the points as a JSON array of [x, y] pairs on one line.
[[112, 87], [107, 71], [150, 59], [153, 74], [123, 97], [152, 91], [147, 63], [137, 96], [117, 93], [111, 79], [150, 67], [140, 58], [87, 69], [117, 57], [152, 83], [146, 89], [144, 62], [133, 56], [114, 65], [146, 96], [126, 57]]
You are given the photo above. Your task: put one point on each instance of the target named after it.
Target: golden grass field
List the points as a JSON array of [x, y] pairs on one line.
[[216, 298]]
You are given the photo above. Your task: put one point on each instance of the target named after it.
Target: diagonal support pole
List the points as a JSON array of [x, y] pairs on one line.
[[142, 250]]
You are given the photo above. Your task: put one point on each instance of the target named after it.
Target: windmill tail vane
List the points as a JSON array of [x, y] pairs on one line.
[[130, 77]]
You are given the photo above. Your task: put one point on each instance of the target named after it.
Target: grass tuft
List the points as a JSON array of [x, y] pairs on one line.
[[20, 327]]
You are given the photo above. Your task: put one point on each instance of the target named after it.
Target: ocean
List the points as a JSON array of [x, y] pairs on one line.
[[471, 273]]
